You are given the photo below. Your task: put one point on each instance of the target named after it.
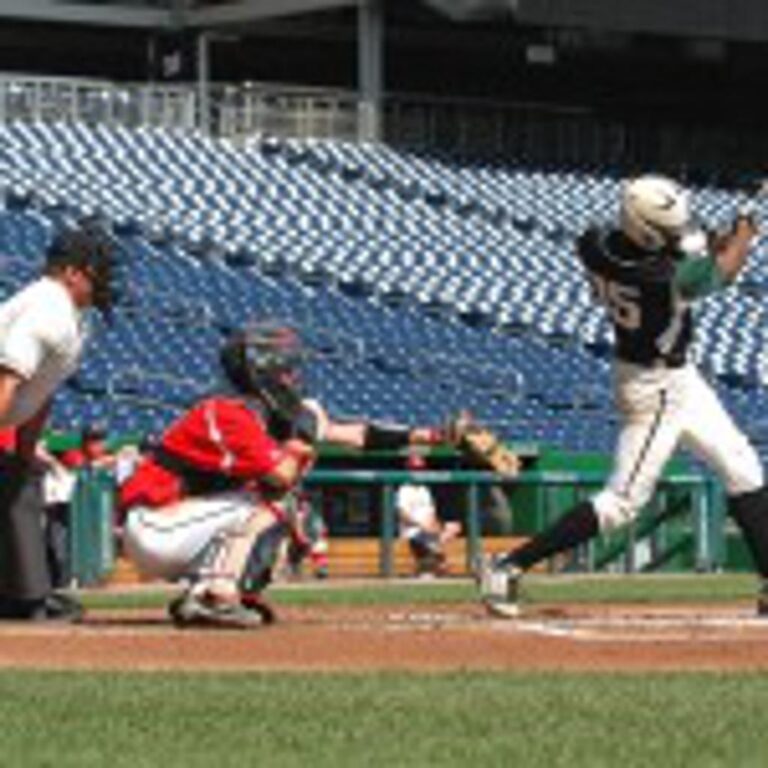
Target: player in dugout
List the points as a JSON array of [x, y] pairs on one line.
[[211, 502]]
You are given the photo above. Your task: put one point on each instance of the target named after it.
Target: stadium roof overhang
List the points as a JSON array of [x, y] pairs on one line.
[[162, 13], [745, 20]]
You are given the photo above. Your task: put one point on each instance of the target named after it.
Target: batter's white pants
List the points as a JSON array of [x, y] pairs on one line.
[[171, 542], [663, 409]]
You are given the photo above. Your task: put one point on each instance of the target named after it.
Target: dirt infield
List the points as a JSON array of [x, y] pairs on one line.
[[405, 637]]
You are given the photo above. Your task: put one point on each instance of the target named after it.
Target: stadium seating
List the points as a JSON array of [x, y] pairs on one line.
[[422, 284]]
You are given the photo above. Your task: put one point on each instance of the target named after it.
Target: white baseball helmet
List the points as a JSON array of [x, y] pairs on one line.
[[655, 211]]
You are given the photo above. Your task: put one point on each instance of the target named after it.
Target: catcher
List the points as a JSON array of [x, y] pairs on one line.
[[209, 502]]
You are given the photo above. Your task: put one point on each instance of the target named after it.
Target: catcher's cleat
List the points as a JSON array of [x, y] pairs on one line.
[[253, 601], [174, 606], [499, 588], [195, 610]]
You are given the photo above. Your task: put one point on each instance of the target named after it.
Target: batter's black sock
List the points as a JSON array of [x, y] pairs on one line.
[[575, 527], [750, 512]]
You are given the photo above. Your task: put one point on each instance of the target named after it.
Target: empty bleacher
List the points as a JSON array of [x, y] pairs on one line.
[[422, 284]]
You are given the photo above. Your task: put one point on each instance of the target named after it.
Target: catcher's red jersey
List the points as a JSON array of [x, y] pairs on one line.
[[219, 438]]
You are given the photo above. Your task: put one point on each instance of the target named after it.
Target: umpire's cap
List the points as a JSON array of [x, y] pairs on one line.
[[90, 251]]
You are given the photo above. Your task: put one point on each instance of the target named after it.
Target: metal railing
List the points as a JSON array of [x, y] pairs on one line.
[[59, 99], [696, 524], [238, 111], [285, 111], [700, 517]]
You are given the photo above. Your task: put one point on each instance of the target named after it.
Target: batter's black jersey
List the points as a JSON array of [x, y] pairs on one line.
[[651, 322]]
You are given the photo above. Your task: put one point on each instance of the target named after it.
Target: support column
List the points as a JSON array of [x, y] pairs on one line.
[[370, 69], [203, 83]]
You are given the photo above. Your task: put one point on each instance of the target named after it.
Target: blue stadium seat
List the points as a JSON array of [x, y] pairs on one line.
[[424, 284]]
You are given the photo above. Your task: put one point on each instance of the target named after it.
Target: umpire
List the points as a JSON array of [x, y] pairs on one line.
[[43, 330]]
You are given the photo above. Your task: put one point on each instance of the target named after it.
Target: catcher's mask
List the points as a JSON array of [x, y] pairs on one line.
[[87, 251], [264, 359]]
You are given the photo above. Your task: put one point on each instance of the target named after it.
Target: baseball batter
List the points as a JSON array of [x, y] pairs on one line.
[[43, 330], [647, 273], [213, 501]]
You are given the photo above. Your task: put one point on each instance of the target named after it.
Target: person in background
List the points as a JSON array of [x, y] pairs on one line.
[[59, 483], [61, 473], [43, 332], [92, 452], [308, 541], [420, 524]]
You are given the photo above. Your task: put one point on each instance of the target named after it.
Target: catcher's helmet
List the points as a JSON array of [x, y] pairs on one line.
[[89, 251], [654, 212], [264, 359]]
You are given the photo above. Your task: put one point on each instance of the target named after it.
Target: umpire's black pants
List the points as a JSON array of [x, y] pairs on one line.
[[23, 568]]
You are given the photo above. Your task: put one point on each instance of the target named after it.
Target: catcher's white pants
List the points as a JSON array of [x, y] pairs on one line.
[[663, 409], [171, 542]]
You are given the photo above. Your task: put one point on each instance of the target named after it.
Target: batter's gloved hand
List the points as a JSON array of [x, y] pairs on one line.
[[747, 217], [748, 213], [481, 445]]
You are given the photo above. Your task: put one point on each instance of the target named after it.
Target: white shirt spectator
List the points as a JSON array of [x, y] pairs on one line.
[[42, 336], [416, 508]]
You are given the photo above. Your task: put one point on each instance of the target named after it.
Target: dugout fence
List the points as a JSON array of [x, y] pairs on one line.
[[91, 542], [683, 528]]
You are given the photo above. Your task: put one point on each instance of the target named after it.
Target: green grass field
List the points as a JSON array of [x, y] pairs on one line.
[[643, 588], [395, 719], [457, 719]]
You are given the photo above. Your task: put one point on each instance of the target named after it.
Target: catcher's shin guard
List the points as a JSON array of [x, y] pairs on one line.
[[750, 512], [240, 559], [257, 573]]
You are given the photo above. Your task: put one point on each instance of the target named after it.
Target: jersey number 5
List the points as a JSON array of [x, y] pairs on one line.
[[622, 301]]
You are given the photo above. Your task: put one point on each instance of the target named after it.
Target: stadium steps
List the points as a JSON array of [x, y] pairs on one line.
[[361, 556], [125, 573]]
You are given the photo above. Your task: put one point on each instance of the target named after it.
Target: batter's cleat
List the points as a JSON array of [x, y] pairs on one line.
[[762, 600], [195, 610], [500, 587]]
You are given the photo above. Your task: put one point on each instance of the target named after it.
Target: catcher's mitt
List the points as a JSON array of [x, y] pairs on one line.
[[482, 445]]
